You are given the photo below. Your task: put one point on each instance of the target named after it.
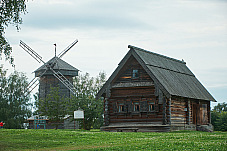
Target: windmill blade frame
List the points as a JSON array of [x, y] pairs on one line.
[[64, 80], [30, 51], [58, 74], [33, 84], [67, 49]]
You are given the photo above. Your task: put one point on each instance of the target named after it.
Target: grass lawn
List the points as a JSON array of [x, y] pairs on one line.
[[95, 140]]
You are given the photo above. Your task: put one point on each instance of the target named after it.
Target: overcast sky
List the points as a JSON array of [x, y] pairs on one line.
[[193, 30]]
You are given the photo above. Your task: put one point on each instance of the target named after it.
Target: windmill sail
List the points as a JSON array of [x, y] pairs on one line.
[[49, 67], [29, 50], [67, 49], [64, 81], [33, 84]]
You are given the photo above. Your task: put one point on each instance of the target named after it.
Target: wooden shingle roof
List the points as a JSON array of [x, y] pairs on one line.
[[170, 75], [58, 65]]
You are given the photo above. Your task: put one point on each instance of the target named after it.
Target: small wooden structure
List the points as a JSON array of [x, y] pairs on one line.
[[45, 123], [152, 92], [38, 122]]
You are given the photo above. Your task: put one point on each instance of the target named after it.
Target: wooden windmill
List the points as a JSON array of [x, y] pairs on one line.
[[55, 73]]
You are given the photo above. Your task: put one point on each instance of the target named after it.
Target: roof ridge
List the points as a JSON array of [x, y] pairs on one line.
[[133, 47]]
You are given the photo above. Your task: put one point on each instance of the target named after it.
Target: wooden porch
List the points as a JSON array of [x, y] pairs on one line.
[[145, 127]]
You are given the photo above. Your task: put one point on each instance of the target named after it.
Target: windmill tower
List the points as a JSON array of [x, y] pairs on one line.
[[54, 73], [48, 79]]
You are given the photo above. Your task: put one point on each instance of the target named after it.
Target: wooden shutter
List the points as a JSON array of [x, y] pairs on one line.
[[143, 106], [114, 107]]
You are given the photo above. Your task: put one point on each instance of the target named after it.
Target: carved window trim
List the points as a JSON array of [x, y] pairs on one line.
[[136, 106], [121, 107], [151, 106]]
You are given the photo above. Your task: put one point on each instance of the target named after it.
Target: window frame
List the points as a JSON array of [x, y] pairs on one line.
[[151, 106], [135, 73], [121, 107], [136, 106]]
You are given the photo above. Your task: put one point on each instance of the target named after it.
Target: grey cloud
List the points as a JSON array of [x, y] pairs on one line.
[[95, 15]]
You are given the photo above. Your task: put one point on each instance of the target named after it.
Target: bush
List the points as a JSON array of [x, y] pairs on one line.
[[221, 122]]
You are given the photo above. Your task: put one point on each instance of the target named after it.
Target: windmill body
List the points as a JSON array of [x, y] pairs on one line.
[[48, 78], [54, 73]]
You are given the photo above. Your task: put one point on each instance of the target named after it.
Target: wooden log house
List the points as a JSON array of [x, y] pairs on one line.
[[152, 92]]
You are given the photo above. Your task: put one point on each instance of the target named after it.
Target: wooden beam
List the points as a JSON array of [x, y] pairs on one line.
[[170, 111], [209, 113], [164, 111], [106, 112], [188, 112]]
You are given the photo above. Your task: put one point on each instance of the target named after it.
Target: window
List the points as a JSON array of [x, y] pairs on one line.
[[204, 106], [151, 106], [136, 106], [135, 74], [121, 107]]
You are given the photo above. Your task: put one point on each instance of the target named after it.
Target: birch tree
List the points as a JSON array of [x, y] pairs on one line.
[[87, 87], [14, 106], [10, 13]]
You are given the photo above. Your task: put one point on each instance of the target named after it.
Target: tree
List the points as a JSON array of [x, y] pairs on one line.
[[36, 103], [10, 11], [14, 106], [219, 117], [221, 107], [2, 71], [221, 122], [87, 87], [54, 106]]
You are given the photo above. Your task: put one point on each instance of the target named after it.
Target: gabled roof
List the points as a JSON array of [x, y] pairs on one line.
[[170, 75], [59, 65]]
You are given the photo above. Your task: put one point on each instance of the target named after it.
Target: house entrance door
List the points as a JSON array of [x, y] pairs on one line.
[[199, 114], [195, 114]]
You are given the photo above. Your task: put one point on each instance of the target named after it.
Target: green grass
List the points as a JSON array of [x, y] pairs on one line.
[[96, 140]]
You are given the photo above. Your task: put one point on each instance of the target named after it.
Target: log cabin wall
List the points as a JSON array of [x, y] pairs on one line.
[[189, 111], [168, 111], [133, 97], [179, 110], [134, 108]]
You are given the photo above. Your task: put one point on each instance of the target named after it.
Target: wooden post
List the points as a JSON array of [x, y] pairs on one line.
[[107, 116], [170, 111], [106, 112], [74, 123], [209, 113], [164, 111], [188, 112]]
